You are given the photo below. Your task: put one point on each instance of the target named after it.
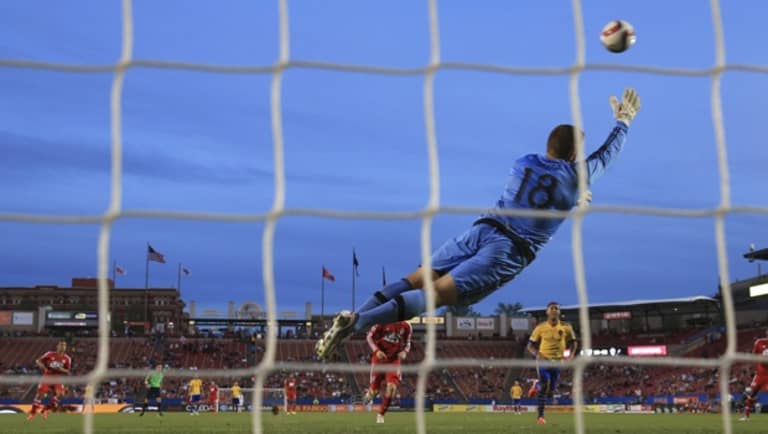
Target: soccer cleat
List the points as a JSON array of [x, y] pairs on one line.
[[342, 328], [379, 418], [743, 419], [541, 421]]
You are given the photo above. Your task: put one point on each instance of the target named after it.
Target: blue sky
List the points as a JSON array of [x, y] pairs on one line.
[[202, 142]]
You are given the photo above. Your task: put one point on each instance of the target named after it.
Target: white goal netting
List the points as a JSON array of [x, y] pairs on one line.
[[426, 214]]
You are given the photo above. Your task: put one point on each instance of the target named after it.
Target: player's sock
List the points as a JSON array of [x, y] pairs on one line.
[[144, 408], [36, 406], [384, 405], [542, 401], [402, 307], [52, 404], [387, 293], [748, 406], [160, 408]]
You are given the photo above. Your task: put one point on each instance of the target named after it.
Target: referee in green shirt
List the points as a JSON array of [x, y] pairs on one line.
[[154, 382]]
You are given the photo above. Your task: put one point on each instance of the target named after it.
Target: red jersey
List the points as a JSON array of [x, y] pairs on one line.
[[390, 339], [290, 386], [761, 347], [53, 361], [213, 392]]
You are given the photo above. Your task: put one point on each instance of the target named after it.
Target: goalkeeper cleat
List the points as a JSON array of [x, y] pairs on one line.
[[379, 418], [342, 328], [541, 420]]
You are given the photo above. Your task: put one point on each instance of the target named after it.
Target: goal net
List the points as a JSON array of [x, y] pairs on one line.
[[270, 398], [265, 398]]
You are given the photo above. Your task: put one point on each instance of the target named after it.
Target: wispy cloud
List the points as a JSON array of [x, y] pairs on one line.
[[38, 154]]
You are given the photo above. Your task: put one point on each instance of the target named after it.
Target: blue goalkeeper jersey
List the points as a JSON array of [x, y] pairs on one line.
[[538, 182]]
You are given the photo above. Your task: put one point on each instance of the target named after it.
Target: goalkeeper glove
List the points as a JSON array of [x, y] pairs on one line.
[[627, 109]]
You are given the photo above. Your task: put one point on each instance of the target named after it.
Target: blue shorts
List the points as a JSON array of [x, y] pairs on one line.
[[548, 376], [235, 401], [516, 401], [195, 398], [481, 260]]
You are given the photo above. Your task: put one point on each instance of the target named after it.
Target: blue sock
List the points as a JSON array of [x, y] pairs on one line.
[[386, 294], [406, 305]]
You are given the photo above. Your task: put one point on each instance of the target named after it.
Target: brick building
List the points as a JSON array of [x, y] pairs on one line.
[[24, 308]]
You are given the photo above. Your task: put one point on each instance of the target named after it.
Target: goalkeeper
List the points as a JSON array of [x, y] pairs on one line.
[[496, 248]]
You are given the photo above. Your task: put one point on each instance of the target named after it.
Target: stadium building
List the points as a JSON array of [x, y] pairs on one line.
[[31, 309]]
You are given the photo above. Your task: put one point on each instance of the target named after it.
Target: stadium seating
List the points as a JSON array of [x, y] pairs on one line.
[[483, 382]]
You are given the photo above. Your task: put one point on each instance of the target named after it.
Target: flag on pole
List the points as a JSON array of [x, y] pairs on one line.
[[327, 275], [383, 277], [185, 271], [355, 264], [154, 255], [120, 270]]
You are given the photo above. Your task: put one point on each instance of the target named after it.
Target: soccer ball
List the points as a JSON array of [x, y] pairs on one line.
[[617, 36]]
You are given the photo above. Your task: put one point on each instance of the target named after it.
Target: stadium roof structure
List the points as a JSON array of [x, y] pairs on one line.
[[670, 306], [753, 255]]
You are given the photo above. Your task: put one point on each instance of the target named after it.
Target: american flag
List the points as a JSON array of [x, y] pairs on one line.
[[120, 270], [327, 275], [153, 255]]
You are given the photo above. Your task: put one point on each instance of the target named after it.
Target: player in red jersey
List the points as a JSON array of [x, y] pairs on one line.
[[290, 394], [390, 344], [213, 397], [760, 382], [53, 364]]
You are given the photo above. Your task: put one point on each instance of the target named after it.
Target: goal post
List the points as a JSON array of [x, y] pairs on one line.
[[271, 397]]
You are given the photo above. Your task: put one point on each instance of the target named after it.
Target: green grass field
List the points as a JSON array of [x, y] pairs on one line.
[[399, 423]]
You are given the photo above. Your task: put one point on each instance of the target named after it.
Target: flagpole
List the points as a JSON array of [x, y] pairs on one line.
[[354, 272], [322, 295], [178, 279], [146, 290], [146, 269], [114, 273]]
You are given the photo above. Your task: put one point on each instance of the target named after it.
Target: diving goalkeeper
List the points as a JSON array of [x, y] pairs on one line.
[[496, 248]]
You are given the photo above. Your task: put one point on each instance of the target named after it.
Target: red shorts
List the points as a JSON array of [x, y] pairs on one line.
[[760, 382], [290, 396], [390, 377], [43, 388]]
